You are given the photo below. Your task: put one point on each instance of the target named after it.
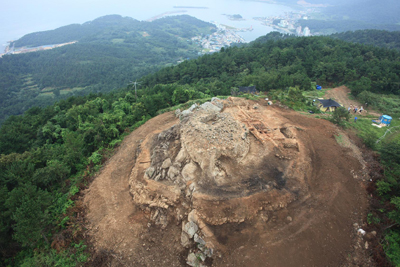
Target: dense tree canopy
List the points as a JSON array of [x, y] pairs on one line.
[[291, 62]]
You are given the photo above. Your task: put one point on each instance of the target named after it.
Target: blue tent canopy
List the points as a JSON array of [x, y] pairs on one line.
[[319, 87]]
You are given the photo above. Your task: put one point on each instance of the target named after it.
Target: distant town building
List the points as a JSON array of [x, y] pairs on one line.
[[299, 31], [283, 23], [306, 31]]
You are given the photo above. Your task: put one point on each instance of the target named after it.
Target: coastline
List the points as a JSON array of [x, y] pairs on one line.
[[23, 50]]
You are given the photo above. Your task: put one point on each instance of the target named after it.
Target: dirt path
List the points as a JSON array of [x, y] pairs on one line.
[[315, 230], [341, 95]]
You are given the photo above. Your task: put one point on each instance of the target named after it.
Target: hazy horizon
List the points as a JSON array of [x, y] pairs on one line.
[[23, 17]]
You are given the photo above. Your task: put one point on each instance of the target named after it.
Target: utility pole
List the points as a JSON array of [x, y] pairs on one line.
[[135, 83]]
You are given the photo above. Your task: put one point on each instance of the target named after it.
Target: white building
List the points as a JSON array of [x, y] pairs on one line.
[[283, 23], [306, 31]]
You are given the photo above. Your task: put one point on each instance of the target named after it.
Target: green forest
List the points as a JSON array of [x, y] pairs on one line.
[[111, 51], [385, 39], [50, 154]]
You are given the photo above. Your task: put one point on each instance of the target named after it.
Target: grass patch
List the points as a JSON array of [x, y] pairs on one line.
[[315, 93], [69, 90], [339, 139], [46, 94], [387, 104], [370, 134], [48, 89]]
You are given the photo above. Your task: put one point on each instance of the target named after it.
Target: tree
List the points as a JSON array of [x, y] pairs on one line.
[[29, 208], [339, 115]]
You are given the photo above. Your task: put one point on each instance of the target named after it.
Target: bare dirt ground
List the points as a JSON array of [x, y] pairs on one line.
[[341, 95], [315, 228]]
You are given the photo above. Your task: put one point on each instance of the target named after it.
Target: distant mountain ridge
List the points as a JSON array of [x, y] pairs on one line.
[[108, 27]]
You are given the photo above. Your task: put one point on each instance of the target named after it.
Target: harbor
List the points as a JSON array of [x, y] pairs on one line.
[[223, 37]]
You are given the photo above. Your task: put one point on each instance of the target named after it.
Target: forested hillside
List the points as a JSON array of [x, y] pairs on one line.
[[371, 11], [49, 154], [383, 39], [291, 62], [111, 51]]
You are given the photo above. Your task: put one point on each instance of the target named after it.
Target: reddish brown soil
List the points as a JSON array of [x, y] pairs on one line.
[[319, 233]]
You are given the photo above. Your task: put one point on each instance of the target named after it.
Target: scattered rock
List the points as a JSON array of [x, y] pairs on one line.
[[201, 256], [185, 240], [192, 260], [218, 102], [173, 172], [150, 172], [366, 244], [182, 156], [166, 164], [177, 112], [289, 219], [361, 232], [184, 114], [189, 171], [210, 107], [193, 107], [190, 228], [199, 240]]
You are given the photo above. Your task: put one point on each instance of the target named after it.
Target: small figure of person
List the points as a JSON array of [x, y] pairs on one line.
[[355, 119], [348, 109], [355, 109], [361, 109]]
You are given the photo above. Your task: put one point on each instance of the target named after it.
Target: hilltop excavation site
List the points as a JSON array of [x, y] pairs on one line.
[[230, 183]]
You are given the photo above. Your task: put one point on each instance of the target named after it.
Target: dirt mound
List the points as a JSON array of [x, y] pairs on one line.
[[248, 185]]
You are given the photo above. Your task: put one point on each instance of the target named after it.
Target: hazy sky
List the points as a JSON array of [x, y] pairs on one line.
[[22, 16]]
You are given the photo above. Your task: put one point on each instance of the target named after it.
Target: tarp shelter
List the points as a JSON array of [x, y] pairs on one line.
[[327, 105], [248, 90], [319, 87], [385, 119]]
